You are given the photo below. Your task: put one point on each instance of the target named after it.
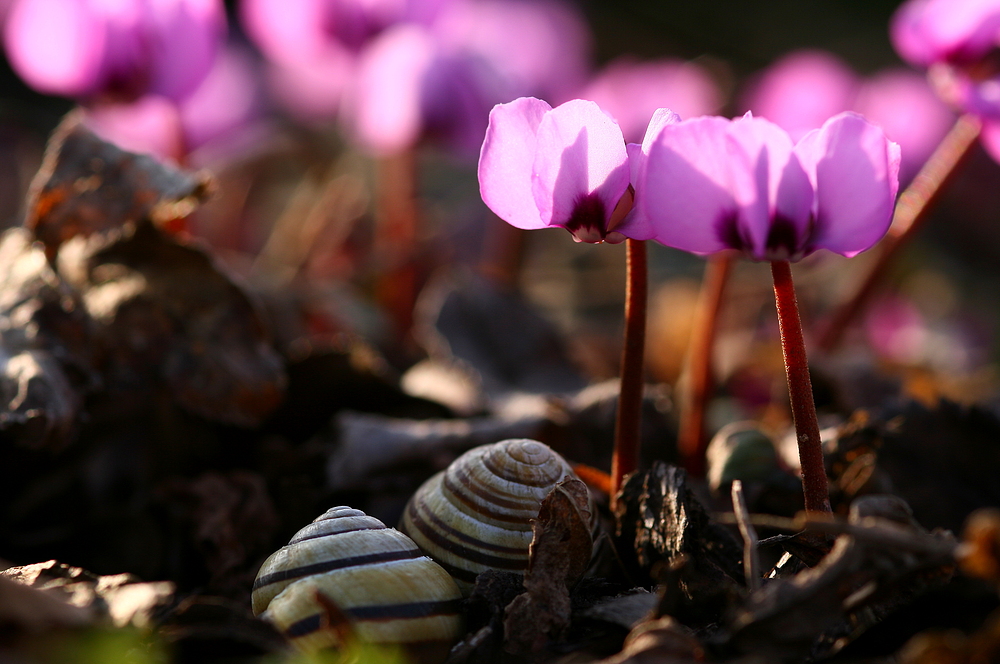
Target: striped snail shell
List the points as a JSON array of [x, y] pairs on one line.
[[375, 575], [476, 514]]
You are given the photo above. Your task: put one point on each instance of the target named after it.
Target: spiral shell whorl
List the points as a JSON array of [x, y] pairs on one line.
[[376, 575], [476, 515]]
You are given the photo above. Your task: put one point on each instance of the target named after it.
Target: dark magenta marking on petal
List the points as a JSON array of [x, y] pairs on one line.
[[783, 237], [588, 220], [729, 234]]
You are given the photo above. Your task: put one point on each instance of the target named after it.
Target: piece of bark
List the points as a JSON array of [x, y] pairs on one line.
[[660, 523]]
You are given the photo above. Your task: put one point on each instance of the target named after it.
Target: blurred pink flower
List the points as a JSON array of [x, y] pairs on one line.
[[802, 90], [122, 49], [711, 184], [566, 167], [903, 104], [926, 32], [416, 69], [539, 48], [631, 91], [408, 86], [215, 120], [957, 40], [895, 329]]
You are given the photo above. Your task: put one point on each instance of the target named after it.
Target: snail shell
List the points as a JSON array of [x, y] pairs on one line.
[[375, 575], [476, 514]]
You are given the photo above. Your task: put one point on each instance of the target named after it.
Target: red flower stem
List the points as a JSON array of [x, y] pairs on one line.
[[396, 237], [691, 440], [911, 211], [625, 458], [793, 348]]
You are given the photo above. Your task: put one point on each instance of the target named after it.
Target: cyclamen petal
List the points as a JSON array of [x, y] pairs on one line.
[[855, 172], [685, 192], [580, 169], [506, 160], [565, 167], [772, 192], [711, 184]]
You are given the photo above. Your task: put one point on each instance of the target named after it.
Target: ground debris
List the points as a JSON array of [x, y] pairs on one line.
[[120, 599], [880, 562], [662, 524], [560, 552], [87, 186]]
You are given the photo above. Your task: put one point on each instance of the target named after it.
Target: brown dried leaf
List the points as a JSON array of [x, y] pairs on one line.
[[165, 312], [87, 186], [121, 599], [560, 551], [231, 521], [28, 610], [45, 355], [980, 552]]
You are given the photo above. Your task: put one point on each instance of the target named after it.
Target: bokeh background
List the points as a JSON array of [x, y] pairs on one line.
[[296, 215]]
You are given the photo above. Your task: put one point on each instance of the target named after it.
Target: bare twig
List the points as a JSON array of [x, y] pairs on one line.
[[751, 561]]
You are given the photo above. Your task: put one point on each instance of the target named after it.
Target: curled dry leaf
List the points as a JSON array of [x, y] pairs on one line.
[[45, 359], [87, 186], [560, 552]]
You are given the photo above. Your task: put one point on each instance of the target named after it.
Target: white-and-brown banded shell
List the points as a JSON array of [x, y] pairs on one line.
[[476, 514], [390, 590]]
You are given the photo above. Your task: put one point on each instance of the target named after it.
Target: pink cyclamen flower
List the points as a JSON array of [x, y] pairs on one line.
[[711, 184], [123, 49], [565, 167]]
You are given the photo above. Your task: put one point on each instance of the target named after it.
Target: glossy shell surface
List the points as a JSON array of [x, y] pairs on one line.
[[376, 576], [476, 514]]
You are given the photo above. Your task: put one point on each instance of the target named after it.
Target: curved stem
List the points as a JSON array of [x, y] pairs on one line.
[[625, 457], [793, 348], [691, 440], [911, 211]]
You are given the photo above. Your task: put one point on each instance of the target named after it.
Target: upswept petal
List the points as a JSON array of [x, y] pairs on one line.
[[854, 169], [636, 225], [685, 191], [580, 154], [772, 191], [505, 162]]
